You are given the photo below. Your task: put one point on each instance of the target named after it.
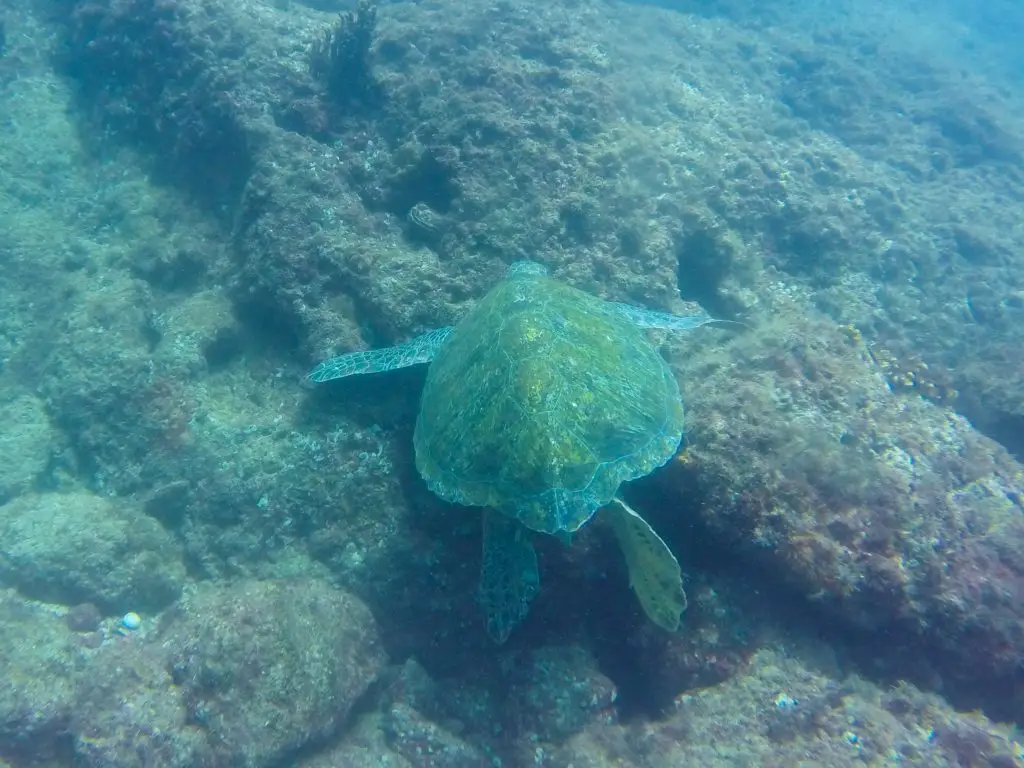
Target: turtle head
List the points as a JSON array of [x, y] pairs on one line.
[[526, 269]]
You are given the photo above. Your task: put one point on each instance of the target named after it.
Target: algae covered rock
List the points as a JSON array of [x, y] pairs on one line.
[[442, 723], [246, 674], [267, 666], [77, 547], [885, 510], [40, 663], [129, 714], [797, 708], [426, 743], [25, 444], [557, 691]]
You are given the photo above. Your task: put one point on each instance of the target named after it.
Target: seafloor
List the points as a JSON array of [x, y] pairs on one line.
[[199, 199]]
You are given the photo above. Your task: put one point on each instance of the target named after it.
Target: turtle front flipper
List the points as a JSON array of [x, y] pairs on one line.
[[646, 318], [413, 352], [654, 571], [509, 579]]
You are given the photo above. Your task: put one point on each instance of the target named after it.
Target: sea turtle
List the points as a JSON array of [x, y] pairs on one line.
[[537, 406]]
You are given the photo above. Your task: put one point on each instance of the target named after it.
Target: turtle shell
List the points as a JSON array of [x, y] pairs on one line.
[[542, 402]]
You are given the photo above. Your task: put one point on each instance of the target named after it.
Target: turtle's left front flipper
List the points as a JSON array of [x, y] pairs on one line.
[[654, 571], [413, 352]]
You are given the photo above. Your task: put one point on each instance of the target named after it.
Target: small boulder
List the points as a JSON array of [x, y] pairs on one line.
[[268, 667], [556, 692], [427, 744], [129, 714], [77, 548]]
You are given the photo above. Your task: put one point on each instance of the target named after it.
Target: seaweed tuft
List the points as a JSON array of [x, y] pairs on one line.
[[342, 59]]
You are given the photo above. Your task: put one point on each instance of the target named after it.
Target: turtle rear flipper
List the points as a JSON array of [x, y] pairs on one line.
[[509, 579], [654, 571], [413, 352]]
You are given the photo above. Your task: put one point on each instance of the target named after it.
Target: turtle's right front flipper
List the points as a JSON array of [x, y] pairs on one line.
[[413, 352], [509, 579]]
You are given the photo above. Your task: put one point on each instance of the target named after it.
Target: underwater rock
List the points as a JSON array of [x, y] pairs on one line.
[[358, 755], [525, 700], [266, 667], [124, 410], [244, 674], [555, 692], [886, 511], [426, 744], [84, 617], [992, 395], [130, 714], [162, 50], [40, 662], [76, 547], [721, 628], [199, 334], [796, 707], [25, 446]]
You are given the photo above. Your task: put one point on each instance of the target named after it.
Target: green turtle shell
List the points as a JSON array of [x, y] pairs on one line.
[[542, 402]]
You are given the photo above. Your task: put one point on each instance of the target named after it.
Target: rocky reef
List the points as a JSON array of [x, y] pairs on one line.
[[200, 199]]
